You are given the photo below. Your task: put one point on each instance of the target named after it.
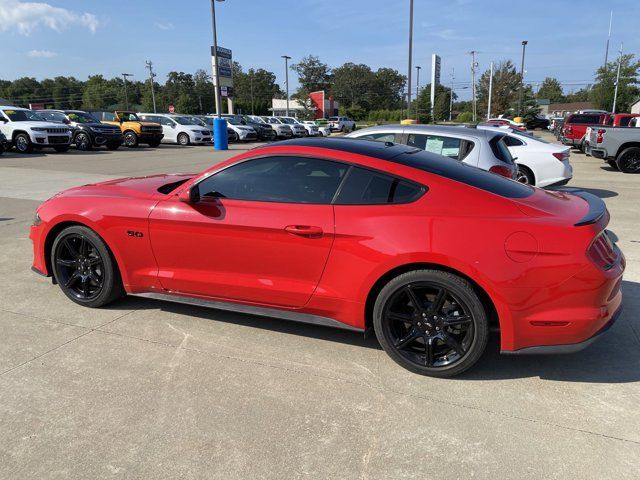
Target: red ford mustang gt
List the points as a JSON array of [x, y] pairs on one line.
[[426, 251]]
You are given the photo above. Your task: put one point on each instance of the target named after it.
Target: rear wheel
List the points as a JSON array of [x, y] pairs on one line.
[[525, 175], [131, 139], [84, 268], [431, 322], [23, 143], [183, 139], [629, 160]]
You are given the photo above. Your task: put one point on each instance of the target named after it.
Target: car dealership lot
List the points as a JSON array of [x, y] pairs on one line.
[[146, 389]]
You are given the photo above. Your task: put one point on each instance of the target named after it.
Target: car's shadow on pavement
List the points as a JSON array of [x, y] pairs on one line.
[[613, 358]]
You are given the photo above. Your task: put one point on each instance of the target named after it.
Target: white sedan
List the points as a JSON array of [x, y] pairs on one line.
[[539, 162]]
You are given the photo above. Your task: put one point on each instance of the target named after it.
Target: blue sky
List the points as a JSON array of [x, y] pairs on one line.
[[79, 38]]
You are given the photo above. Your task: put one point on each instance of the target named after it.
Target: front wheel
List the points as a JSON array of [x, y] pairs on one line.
[[629, 160], [84, 268], [431, 322], [131, 139], [83, 142], [23, 143], [183, 139]]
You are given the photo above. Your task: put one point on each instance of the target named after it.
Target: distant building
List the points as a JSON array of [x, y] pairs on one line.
[[635, 107], [561, 109], [543, 103], [321, 106]]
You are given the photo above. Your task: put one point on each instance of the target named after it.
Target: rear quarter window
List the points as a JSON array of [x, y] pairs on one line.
[[500, 150]]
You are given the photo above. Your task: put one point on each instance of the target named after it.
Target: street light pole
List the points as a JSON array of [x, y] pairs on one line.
[[418, 68], [524, 46], [451, 95], [615, 92], [490, 91], [410, 55], [473, 81], [251, 84], [286, 78], [126, 95], [220, 138]]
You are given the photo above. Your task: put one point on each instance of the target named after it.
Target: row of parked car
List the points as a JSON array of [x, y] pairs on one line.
[[614, 138], [26, 130]]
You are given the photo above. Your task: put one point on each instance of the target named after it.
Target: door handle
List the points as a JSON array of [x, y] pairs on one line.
[[304, 230]]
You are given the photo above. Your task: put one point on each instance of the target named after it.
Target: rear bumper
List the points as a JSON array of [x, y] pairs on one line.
[[570, 347], [598, 152]]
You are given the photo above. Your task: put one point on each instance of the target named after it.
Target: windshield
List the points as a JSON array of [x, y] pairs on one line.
[[258, 120], [516, 133], [273, 121], [128, 117], [81, 117], [58, 117], [288, 121], [23, 116], [232, 120], [198, 121], [333, 119], [184, 121]]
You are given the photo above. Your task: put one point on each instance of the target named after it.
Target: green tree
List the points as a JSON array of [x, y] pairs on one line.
[[98, 93], [506, 87], [253, 90], [603, 90], [441, 107], [313, 75], [551, 89], [387, 89], [354, 84], [581, 95]]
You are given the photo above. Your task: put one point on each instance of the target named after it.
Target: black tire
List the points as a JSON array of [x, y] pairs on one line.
[[612, 163], [183, 139], [154, 144], [84, 268], [83, 141], [525, 175], [113, 146], [450, 342], [131, 139], [62, 148], [628, 160], [23, 143]]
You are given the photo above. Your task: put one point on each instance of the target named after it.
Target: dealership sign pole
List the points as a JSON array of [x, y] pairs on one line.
[[435, 80]]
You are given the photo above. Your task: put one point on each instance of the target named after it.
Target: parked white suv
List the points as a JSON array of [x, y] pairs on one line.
[[26, 130], [341, 124], [311, 126], [179, 129], [297, 128]]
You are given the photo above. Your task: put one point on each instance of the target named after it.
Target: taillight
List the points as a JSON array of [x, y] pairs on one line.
[[562, 156], [599, 138], [568, 129], [502, 171], [602, 252]]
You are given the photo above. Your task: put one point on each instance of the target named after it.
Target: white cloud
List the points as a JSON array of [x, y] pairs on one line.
[[27, 16], [42, 53], [165, 25], [449, 34]]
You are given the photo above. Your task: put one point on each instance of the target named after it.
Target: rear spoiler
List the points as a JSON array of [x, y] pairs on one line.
[[597, 208]]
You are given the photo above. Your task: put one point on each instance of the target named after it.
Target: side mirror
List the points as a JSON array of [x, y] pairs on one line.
[[3, 120], [191, 195]]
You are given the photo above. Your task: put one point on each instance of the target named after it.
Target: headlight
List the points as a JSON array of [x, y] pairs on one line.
[[36, 220], [38, 129]]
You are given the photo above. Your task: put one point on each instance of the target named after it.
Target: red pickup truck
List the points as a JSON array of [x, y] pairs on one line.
[[575, 127], [621, 119]]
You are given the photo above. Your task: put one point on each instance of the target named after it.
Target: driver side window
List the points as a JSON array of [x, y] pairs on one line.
[[286, 179]]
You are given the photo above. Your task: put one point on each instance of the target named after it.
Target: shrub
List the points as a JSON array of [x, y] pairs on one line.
[[464, 117]]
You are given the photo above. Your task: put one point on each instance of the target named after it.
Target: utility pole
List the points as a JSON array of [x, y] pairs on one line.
[[451, 95], [286, 78], [251, 84], [615, 92], [473, 81], [524, 46], [410, 55], [126, 95], [490, 91], [606, 52], [153, 95], [418, 67]]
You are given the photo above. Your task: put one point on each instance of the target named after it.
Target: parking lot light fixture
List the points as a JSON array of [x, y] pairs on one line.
[[524, 46], [418, 68], [126, 96], [286, 78]]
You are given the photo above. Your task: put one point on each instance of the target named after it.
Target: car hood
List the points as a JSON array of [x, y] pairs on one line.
[[31, 124], [134, 187]]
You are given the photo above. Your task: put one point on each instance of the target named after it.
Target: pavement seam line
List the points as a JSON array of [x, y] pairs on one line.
[[89, 330], [378, 389]]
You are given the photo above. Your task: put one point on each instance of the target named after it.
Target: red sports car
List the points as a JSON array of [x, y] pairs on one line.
[[427, 252]]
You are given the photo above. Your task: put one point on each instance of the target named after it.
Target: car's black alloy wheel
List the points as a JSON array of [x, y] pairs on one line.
[[131, 139], [84, 268], [629, 160], [83, 142], [23, 143], [431, 322]]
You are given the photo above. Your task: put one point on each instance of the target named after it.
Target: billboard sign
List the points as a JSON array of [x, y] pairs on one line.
[[435, 79], [225, 60]]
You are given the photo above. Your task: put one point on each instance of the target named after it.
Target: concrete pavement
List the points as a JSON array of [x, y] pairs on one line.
[[147, 389]]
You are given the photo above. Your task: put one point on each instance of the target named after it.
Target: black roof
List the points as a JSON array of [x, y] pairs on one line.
[[420, 159]]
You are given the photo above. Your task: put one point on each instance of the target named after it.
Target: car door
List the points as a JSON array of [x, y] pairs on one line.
[[168, 129], [261, 232], [451, 147]]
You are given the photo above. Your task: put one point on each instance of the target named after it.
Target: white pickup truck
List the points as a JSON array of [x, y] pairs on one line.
[[618, 146]]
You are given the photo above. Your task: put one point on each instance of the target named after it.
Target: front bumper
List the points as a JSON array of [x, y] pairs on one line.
[[51, 140], [104, 138], [145, 137], [244, 136]]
